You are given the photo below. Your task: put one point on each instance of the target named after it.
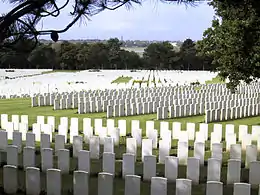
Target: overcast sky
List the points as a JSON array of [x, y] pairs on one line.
[[151, 21]]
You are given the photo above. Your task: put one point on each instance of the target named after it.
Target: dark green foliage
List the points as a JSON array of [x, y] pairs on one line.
[[233, 41], [110, 55]]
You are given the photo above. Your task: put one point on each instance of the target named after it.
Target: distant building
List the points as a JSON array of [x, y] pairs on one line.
[[138, 50], [174, 44]]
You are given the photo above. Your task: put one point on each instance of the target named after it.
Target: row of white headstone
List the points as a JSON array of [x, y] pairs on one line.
[[105, 184], [147, 107], [128, 166], [217, 115], [20, 123], [147, 146]]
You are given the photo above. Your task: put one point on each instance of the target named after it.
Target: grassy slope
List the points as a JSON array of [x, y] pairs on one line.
[[215, 80], [122, 79]]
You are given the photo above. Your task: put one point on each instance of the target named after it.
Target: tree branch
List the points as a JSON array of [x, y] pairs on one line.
[[62, 30]]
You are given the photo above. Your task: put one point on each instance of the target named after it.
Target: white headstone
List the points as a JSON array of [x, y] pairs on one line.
[[10, 178], [80, 183], [94, 147], [214, 188], [233, 172], [242, 189], [28, 157], [158, 186], [63, 160], [12, 155], [33, 181], [183, 187], [53, 182], [84, 161], [128, 166], [171, 168], [132, 185], [193, 170], [46, 159], [214, 169], [149, 167], [105, 184], [109, 163]]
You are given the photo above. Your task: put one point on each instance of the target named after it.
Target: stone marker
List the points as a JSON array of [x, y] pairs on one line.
[[233, 172], [12, 155], [3, 141], [183, 187], [216, 151], [254, 173], [10, 178], [30, 139], [132, 185], [80, 183], [164, 150], [64, 160], [242, 189], [105, 184], [214, 169], [149, 167], [147, 148], [46, 159], [251, 154], [158, 186], [199, 151], [77, 145], [182, 152], [94, 147], [84, 161], [17, 140], [109, 163], [109, 144], [45, 141], [131, 146], [171, 168], [235, 151], [33, 181], [214, 188], [59, 142], [53, 182], [28, 157], [193, 170], [128, 165]]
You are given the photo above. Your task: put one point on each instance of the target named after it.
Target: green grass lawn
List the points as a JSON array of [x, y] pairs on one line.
[[66, 71], [122, 79], [22, 106], [215, 80]]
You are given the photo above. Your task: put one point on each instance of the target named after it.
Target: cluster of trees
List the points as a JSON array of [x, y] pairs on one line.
[[110, 55], [125, 43], [233, 40]]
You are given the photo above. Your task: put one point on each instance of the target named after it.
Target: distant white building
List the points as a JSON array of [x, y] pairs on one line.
[[174, 44]]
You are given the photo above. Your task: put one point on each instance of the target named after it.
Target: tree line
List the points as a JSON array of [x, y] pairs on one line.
[[109, 55]]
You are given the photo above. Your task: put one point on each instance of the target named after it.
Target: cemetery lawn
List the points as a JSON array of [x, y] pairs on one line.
[[66, 71], [122, 79], [23, 106], [215, 80]]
